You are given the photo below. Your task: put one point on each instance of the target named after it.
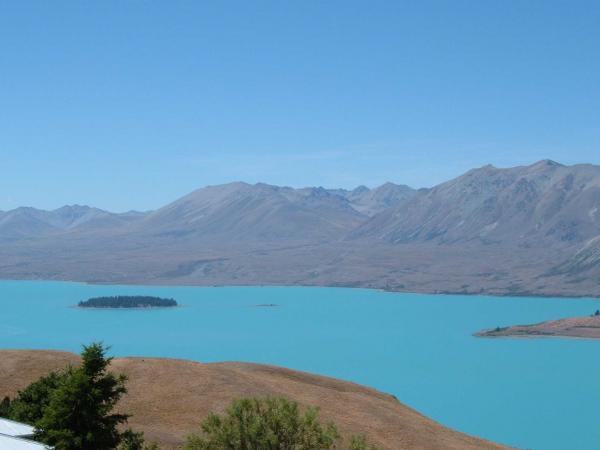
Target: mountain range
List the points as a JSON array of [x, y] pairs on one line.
[[528, 230]]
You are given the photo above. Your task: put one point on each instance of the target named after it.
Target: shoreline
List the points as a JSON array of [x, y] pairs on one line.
[[587, 327], [338, 286]]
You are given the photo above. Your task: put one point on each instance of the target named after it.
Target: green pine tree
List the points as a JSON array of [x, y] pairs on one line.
[[79, 413], [29, 405], [5, 406], [131, 440]]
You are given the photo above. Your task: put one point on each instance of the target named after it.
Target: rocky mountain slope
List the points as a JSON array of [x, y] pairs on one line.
[[373, 201], [587, 258], [240, 211], [542, 204], [530, 230]]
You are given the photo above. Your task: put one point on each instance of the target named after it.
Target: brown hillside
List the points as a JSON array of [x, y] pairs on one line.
[[169, 398]]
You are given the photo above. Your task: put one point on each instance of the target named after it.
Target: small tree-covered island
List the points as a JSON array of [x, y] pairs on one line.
[[128, 301]]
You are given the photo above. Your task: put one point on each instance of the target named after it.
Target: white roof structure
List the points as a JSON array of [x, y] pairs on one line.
[[15, 443], [16, 429]]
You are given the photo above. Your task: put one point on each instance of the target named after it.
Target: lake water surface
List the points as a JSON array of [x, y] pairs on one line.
[[529, 393]]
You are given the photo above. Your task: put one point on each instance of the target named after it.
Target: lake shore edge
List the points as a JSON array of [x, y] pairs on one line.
[[570, 327], [166, 283]]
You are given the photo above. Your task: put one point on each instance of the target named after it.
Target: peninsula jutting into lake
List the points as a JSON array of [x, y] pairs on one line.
[[128, 301], [578, 327]]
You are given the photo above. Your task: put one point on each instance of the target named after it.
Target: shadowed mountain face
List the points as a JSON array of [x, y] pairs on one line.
[[523, 230]]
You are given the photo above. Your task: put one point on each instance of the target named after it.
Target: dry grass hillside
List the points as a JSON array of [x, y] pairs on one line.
[[169, 398]]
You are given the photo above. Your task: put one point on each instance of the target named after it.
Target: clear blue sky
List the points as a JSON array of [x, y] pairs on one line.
[[129, 104]]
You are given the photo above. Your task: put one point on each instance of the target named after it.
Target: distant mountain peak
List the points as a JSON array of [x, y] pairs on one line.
[[230, 185], [360, 189], [545, 203], [74, 207], [545, 164], [530, 228]]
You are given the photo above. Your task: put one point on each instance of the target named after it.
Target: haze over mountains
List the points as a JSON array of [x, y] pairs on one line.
[[523, 230], [26, 222]]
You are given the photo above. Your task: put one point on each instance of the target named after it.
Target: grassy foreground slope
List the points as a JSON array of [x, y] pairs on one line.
[[168, 398]]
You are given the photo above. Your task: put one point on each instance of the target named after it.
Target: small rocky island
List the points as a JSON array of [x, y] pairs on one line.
[[128, 301], [576, 327]]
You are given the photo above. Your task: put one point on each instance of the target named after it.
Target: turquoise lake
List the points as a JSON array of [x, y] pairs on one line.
[[529, 393]]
